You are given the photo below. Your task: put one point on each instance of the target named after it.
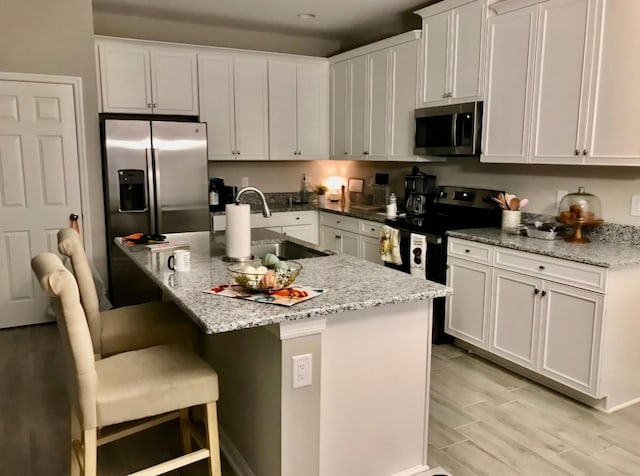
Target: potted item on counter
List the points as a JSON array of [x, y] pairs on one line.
[[321, 192]]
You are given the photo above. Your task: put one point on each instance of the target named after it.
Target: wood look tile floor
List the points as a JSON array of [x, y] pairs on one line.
[[483, 421]]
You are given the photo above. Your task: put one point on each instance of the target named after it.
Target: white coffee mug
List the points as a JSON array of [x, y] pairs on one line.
[[180, 261]]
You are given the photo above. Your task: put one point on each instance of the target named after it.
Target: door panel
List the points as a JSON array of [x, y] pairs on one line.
[[124, 78], [515, 323], [283, 143], [468, 21], [360, 89], [403, 78], [252, 113], [378, 104], [313, 110], [340, 145], [40, 188], [436, 40], [175, 82]]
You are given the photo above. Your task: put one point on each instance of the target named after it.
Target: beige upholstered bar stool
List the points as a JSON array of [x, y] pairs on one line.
[[162, 381], [125, 328]]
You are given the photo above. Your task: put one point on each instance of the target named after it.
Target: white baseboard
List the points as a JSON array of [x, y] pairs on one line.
[[233, 456], [415, 471]]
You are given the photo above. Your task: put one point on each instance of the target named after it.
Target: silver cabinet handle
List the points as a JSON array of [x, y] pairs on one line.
[[467, 251], [544, 293], [155, 105], [237, 152], [297, 218], [585, 152], [338, 237], [541, 268], [149, 105], [536, 291], [577, 152], [365, 153], [346, 153]]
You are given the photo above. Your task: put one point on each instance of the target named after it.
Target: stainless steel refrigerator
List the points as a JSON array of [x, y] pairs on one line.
[[156, 181]]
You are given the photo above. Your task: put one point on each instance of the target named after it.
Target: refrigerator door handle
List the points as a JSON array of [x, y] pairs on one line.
[[158, 205], [150, 192]]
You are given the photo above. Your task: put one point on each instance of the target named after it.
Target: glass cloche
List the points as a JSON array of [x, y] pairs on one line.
[[579, 209]]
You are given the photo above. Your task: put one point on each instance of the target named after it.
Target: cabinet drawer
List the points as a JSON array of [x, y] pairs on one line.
[[339, 221], [471, 250], [553, 269], [370, 228]]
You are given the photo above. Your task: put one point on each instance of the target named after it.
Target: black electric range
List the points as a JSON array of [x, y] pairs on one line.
[[454, 208]]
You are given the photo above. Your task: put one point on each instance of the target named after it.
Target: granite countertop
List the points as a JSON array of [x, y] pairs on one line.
[[365, 212], [340, 275], [605, 254]]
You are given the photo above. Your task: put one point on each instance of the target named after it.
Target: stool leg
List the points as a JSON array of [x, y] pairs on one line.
[[76, 434], [184, 428], [213, 440], [90, 450]]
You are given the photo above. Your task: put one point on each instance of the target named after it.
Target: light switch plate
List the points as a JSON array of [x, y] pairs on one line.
[[635, 206]]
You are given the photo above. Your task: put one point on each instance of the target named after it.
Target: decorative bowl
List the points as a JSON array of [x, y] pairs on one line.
[[254, 276]]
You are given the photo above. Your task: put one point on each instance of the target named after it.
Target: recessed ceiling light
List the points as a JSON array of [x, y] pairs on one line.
[[306, 16]]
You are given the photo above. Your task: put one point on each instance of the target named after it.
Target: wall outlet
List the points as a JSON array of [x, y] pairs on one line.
[[301, 370], [635, 206], [245, 182], [559, 196]]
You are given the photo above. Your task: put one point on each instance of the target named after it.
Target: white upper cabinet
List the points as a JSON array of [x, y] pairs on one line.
[[570, 106], [612, 135], [234, 103], [340, 146], [561, 80], [147, 80], [452, 52], [298, 110], [373, 100], [507, 104]]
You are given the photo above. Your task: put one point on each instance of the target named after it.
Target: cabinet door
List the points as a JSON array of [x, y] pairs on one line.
[[436, 43], [613, 136], [378, 110], [251, 106], [215, 78], [340, 110], [349, 243], [302, 232], [330, 239], [125, 79], [283, 144], [359, 91], [570, 338], [467, 310], [370, 249], [174, 82], [560, 88], [313, 110], [467, 65], [515, 317], [403, 78], [507, 108]]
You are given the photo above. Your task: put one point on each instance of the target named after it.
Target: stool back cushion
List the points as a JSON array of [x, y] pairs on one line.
[[70, 245], [59, 283]]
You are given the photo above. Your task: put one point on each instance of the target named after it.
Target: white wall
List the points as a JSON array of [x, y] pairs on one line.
[[56, 37], [146, 28], [539, 183]]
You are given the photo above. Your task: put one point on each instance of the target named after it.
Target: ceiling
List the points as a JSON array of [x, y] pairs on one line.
[[335, 19]]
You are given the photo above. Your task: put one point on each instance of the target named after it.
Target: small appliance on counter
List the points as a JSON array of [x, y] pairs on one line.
[[220, 194], [419, 192]]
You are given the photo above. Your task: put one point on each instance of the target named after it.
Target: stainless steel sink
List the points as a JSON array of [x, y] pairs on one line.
[[287, 250]]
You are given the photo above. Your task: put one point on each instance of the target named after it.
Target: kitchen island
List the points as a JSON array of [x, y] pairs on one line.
[[368, 338]]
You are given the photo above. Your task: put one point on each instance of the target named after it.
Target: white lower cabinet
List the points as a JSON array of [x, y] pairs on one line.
[[467, 317], [518, 306], [351, 236]]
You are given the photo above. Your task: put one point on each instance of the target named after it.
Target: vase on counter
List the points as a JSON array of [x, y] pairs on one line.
[[322, 201], [511, 220]]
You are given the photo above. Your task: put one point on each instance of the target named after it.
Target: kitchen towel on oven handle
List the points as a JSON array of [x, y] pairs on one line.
[[417, 254], [390, 245]]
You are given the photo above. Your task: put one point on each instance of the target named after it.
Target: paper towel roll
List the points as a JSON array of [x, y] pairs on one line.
[[238, 232]]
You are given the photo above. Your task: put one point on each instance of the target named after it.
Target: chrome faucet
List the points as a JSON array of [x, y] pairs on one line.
[[265, 208]]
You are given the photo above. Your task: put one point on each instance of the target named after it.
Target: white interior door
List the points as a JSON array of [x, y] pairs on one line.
[[39, 188]]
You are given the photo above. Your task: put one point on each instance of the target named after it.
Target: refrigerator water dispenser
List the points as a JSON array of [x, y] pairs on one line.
[[132, 194]]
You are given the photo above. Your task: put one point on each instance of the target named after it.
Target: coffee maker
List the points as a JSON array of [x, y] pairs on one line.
[[419, 192]]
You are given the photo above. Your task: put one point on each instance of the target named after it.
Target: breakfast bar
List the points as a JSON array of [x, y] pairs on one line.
[[364, 406]]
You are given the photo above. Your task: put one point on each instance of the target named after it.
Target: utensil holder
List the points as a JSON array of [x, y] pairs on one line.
[[511, 219]]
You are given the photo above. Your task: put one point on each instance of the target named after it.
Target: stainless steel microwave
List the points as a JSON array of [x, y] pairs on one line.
[[448, 131]]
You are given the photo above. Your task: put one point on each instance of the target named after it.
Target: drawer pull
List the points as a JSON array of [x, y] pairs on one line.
[[536, 291], [373, 229], [544, 293], [541, 268], [467, 251], [297, 218], [338, 237]]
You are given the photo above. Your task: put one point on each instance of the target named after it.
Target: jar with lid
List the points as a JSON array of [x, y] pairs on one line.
[[579, 209]]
